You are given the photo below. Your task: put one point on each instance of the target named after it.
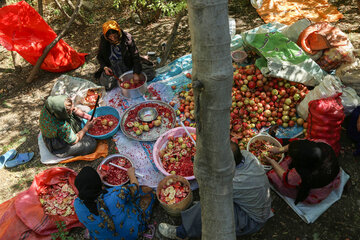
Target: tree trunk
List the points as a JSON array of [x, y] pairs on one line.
[[63, 11], [169, 43], [53, 43], [40, 7], [212, 83]]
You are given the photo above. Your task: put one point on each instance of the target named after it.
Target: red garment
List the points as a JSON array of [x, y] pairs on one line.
[[23, 30], [287, 186]]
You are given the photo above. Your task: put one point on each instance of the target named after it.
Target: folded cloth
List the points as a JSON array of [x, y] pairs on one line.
[[310, 212], [46, 157]]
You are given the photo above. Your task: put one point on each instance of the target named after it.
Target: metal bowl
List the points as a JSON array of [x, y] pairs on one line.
[[155, 132], [147, 114], [134, 92], [108, 159]]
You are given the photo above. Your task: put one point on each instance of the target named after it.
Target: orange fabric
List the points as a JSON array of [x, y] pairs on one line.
[[290, 11], [319, 36], [100, 151]]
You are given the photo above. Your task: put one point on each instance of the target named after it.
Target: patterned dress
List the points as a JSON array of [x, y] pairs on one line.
[[51, 127], [120, 215]]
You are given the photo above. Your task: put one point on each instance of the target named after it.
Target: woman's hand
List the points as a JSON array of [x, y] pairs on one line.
[[275, 150], [131, 172], [136, 77], [108, 71], [89, 124], [268, 160]]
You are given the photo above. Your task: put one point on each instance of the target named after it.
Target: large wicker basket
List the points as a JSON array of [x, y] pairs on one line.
[[176, 208]]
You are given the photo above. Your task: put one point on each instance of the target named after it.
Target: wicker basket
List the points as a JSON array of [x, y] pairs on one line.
[[270, 139], [176, 208]]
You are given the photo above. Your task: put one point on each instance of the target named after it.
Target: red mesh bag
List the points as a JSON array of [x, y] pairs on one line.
[[324, 121]]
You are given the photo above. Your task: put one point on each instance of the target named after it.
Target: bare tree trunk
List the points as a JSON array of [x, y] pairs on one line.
[[53, 43], [169, 43], [40, 8], [212, 82]]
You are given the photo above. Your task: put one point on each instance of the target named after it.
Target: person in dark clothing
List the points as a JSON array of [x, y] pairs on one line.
[[251, 197], [308, 174], [118, 54]]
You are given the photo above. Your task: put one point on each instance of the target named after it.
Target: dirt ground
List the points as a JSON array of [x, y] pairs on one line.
[[20, 105]]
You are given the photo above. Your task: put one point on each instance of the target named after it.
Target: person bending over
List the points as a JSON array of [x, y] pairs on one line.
[[251, 196], [120, 212], [308, 174], [60, 126]]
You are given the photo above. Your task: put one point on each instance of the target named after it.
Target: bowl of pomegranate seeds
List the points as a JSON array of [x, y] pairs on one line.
[[137, 126], [259, 146], [174, 152], [112, 175], [107, 122], [174, 194], [130, 88]]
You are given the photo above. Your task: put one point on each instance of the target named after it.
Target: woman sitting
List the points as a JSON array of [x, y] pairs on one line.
[[308, 174], [60, 127], [116, 213]]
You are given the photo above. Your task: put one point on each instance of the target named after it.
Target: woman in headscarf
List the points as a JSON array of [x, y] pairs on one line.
[[308, 174], [118, 54], [120, 212], [60, 126]]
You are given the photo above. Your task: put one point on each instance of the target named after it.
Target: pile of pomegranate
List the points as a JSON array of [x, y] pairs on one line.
[[177, 156], [114, 175], [58, 199], [131, 84], [260, 149], [103, 125], [173, 192], [257, 102]]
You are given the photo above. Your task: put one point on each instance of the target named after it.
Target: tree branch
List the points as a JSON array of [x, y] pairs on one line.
[[169, 43], [81, 18], [40, 7], [53, 43]]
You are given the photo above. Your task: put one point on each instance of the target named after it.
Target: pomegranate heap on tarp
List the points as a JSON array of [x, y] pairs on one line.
[[58, 199], [260, 149], [258, 101], [103, 125], [173, 192], [177, 156]]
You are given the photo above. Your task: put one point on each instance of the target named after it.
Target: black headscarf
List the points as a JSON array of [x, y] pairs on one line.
[[89, 185], [315, 162]]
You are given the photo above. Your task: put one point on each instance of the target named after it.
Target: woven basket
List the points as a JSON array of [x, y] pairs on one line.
[[176, 208]]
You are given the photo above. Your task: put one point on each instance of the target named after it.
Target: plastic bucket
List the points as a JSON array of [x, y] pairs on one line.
[[270, 139], [176, 208], [101, 111]]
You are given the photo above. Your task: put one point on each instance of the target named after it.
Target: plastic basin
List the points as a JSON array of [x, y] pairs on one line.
[[161, 143], [101, 111]]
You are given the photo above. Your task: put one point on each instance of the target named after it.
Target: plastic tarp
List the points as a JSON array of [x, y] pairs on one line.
[[281, 57], [23, 30], [288, 12]]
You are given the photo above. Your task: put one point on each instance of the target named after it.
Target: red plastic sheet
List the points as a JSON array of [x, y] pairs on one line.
[[23, 30]]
